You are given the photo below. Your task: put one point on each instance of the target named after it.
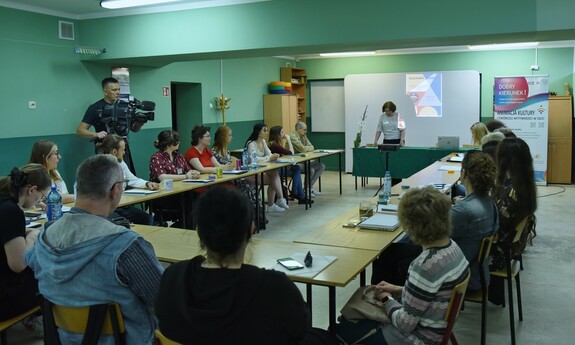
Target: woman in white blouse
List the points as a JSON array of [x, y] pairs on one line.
[[257, 142]]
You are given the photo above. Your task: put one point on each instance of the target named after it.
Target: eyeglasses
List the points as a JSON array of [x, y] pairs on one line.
[[123, 182], [55, 153], [43, 196]]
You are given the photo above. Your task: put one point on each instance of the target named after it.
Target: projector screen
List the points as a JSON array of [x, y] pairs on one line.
[[432, 104]]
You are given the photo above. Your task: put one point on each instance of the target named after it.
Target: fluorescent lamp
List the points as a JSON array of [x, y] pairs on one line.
[[504, 46], [347, 54], [115, 4]]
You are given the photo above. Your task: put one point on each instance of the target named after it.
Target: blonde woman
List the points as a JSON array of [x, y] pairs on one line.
[[478, 131], [46, 153]]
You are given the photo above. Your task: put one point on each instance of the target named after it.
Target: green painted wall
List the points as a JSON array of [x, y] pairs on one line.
[[37, 66]]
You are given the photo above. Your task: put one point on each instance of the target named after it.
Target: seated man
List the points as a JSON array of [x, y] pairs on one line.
[[301, 144], [84, 259]]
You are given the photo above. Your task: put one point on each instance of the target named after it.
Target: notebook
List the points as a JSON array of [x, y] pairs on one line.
[[381, 221], [448, 143]]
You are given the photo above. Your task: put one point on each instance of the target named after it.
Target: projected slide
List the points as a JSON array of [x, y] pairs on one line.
[[424, 90]]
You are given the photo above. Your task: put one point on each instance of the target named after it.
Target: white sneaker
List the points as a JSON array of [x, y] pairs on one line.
[[315, 193], [34, 324], [275, 209], [282, 202]]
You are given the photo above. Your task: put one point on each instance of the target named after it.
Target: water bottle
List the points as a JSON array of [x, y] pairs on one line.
[[387, 187], [245, 158], [53, 205], [253, 160]]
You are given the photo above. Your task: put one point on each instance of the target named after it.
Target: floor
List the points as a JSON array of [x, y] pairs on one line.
[[547, 280]]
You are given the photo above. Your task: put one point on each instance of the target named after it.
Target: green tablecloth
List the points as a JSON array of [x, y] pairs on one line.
[[370, 162]]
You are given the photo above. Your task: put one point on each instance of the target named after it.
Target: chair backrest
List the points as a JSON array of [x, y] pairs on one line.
[[519, 229], [454, 307], [164, 340], [485, 249], [92, 321]]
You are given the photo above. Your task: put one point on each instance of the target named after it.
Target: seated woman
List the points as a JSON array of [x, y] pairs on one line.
[[280, 143], [516, 199], [478, 131], [472, 218], [200, 156], [475, 216], [46, 153], [257, 142], [168, 163], [115, 145], [419, 317], [222, 139], [23, 188], [227, 301]]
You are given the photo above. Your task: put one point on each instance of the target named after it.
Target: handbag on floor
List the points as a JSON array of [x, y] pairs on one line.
[[363, 305]]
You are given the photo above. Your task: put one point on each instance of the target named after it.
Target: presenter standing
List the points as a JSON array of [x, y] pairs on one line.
[[390, 124]]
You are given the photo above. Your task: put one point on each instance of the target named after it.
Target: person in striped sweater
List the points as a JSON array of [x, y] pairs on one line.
[[417, 310]]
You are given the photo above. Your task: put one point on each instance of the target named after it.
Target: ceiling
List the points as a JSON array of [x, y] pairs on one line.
[[90, 9]]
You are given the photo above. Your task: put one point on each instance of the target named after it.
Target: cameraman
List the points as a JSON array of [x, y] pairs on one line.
[[111, 89]]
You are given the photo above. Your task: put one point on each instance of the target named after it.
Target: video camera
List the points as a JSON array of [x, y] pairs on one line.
[[122, 116]]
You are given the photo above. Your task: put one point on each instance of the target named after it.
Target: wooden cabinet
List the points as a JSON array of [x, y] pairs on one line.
[[560, 149], [280, 110], [298, 79]]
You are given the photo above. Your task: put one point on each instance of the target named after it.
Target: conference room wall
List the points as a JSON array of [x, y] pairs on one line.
[[557, 62]]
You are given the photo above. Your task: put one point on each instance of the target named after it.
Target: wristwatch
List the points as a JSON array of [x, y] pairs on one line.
[[386, 299]]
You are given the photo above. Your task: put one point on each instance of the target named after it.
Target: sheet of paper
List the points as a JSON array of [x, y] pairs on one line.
[[320, 262], [449, 167], [140, 191], [189, 180]]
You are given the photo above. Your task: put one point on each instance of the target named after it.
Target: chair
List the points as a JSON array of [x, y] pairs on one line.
[[480, 296], [453, 310], [4, 325], [164, 340], [510, 271], [92, 321]]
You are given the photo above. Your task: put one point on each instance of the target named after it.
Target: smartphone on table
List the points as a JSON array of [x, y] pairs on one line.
[[290, 264]]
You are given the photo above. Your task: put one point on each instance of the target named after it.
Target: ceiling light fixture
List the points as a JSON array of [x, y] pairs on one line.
[[115, 4], [504, 46], [346, 54]]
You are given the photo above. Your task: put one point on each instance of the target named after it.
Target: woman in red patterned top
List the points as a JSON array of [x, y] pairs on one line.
[[168, 163], [199, 154]]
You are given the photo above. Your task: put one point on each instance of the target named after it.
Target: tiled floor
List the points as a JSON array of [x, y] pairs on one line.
[[547, 281]]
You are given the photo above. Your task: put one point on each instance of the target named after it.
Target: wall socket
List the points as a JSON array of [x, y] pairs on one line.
[[32, 105], [535, 67]]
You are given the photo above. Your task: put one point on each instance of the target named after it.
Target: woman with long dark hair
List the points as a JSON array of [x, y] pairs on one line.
[[23, 188], [516, 199], [257, 142]]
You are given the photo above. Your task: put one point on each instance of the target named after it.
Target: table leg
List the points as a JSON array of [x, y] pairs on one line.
[[309, 301], [319, 179], [362, 277], [331, 308], [307, 167], [340, 189], [183, 208], [263, 199], [356, 183]]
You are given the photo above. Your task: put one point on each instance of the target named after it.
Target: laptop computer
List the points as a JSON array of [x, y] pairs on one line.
[[448, 143], [381, 221]]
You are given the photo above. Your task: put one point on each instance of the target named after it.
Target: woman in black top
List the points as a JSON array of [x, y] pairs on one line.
[[217, 299], [23, 188]]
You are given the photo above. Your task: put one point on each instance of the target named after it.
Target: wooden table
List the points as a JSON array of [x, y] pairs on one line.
[[172, 245]]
